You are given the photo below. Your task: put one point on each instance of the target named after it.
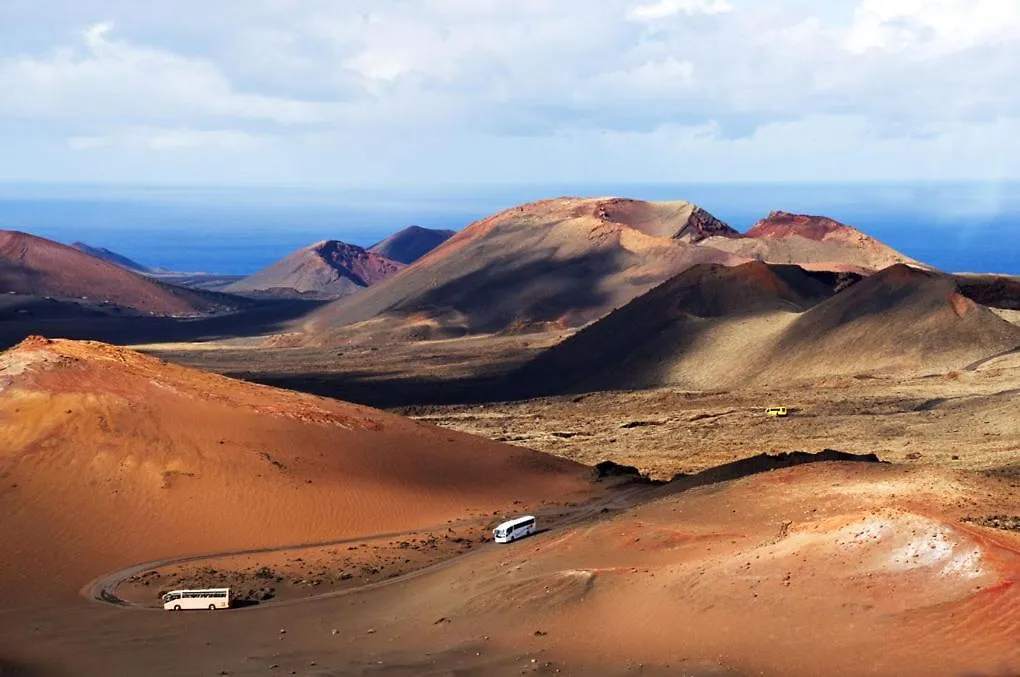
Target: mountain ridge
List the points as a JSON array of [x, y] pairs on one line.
[[328, 269]]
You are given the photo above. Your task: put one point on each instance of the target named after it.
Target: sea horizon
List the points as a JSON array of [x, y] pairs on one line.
[[956, 226]]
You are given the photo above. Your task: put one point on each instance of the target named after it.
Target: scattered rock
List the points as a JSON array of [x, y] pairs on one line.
[[1003, 522], [640, 424], [612, 469]]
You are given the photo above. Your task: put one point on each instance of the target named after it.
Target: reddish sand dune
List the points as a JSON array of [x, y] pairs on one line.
[[109, 457], [714, 327], [412, 243], [35, 266], [560, 263], [326, 269], [814, 242]]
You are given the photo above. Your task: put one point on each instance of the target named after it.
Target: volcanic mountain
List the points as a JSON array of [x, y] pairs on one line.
[[713, 327], [110, 257], [35, 266], [553, 263], [327, 269], [109, 458], [814, 242], [412, 243]]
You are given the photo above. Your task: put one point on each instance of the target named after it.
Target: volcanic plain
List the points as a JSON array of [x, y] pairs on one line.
[[602, 364]]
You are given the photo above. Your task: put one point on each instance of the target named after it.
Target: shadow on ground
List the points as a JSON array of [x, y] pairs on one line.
[[374, 390], [260, 318], [762, 463]]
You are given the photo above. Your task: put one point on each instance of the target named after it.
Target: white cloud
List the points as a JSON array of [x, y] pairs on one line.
[[649, 80], [932, 27], [88, 142], [381, 83], [169, 140], [106, 79], [664, 9], [179, 139]]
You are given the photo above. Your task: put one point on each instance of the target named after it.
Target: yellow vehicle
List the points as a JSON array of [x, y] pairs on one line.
[[776, 411]]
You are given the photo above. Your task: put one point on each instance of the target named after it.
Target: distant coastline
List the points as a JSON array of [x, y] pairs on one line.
[[956, 226]]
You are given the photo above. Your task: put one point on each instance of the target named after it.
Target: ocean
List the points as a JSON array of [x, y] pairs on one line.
[[960, 227]]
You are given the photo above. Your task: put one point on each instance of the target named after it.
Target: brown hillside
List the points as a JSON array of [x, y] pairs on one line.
[[901, 319], [723, 328], [110, 458], [411, 243], [635, 345], [328, 269], [814, 242], [560, 262], [35, 266]]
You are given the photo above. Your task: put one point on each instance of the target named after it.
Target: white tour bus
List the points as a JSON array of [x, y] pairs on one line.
[[213, 598], [514, 529]]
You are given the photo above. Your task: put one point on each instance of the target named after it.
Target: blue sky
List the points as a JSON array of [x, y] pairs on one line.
[[416, 92]]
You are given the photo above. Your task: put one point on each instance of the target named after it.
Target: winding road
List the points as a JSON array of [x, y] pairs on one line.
[[974, 366], [104, 588]]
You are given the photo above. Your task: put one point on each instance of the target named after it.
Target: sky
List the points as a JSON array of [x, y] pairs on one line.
[[421, 92]]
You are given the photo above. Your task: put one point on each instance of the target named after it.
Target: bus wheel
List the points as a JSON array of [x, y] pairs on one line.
[[212, 607], [177, 607]]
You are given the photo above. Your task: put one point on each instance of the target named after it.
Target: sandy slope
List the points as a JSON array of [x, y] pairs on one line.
[[553, 263], [837, 569], [900, 320], [327, 269], [814, 242], [411, 243], [722, 328], [826, 569], [108, 457], [35, 266]]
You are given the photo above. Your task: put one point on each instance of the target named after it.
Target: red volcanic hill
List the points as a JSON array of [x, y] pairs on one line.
[[814, 242], [412, 243], [714, 327], [35, 266], [329, 269], [781, 225], [553, 263], [110, 458]]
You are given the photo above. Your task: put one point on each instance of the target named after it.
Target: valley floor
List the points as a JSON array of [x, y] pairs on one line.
[[836, 568], [963, 419]]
